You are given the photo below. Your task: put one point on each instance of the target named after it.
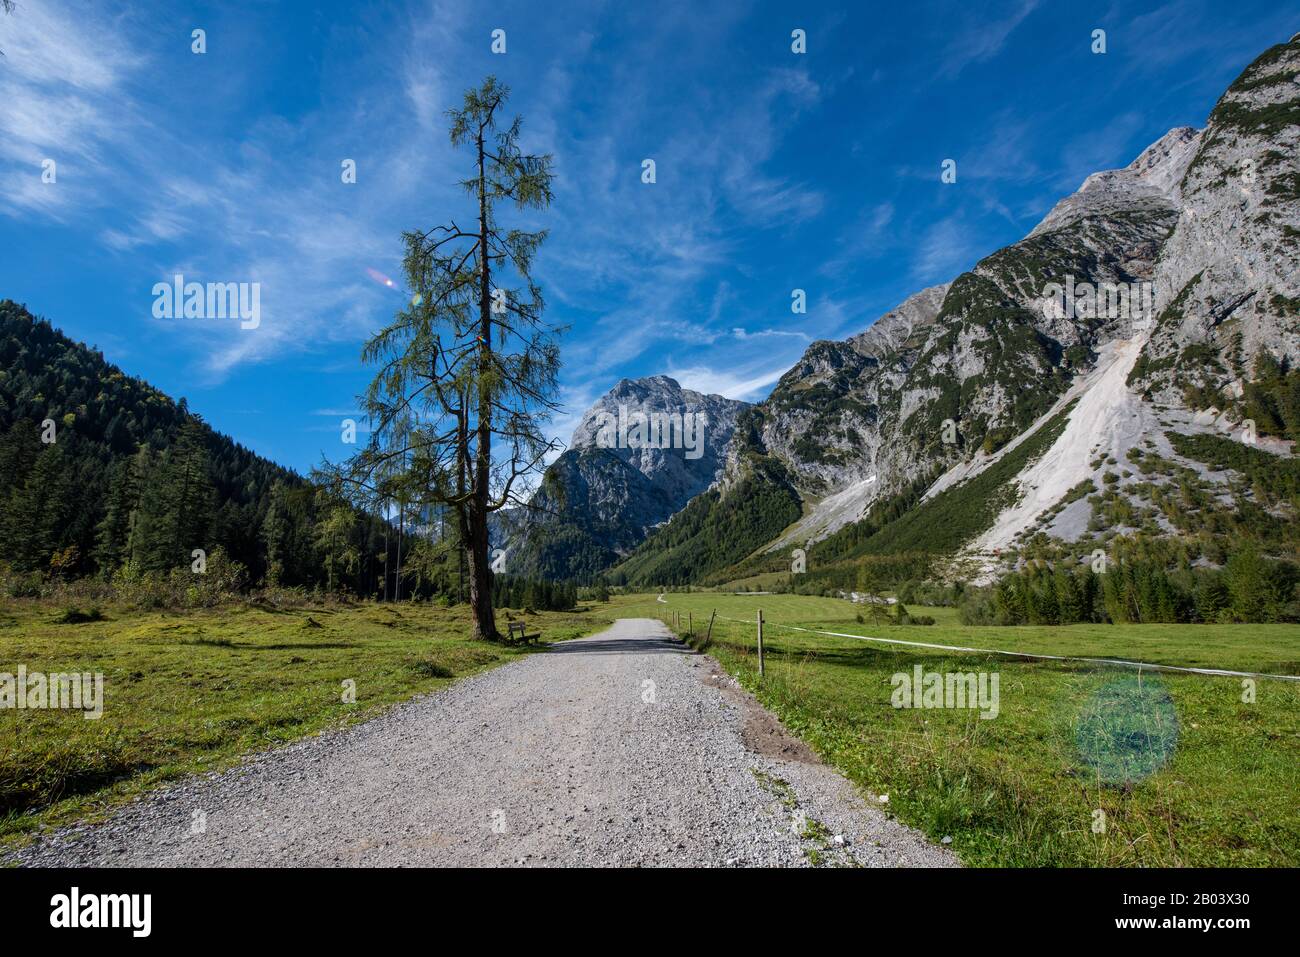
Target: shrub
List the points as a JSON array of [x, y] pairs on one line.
[[430, 669], [223, 580], [16, 584]]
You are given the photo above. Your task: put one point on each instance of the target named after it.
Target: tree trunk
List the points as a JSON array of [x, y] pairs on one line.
[[462, 454], [401, 521], [480, 586], [480, 589], [383, 512]]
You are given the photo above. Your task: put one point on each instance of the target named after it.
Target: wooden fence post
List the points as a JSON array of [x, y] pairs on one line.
[[709, 637], [760, 642], [690, 624]]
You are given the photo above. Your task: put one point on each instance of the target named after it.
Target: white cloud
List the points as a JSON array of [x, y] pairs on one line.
[[977, 41], [273, 211], [243, 217], [946, 249], [746, 384], [740, 333], [60, 100]]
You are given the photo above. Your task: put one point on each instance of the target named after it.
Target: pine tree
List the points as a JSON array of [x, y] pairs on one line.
[[334, 539], [1211, 596], [1289, 404], [39, 512], [176, 508], [193, 495], [1069, 597], [143, 518], [113, 535], [1249, 589], [277, 536]]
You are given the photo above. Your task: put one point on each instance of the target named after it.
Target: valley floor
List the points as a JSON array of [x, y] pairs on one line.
[[624, 748], [627, 748]]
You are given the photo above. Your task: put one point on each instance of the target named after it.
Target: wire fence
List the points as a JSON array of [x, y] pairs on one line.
[[673, 620]]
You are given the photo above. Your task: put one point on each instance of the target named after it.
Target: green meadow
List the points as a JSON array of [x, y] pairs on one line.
[[194, 691], [1084, 765]]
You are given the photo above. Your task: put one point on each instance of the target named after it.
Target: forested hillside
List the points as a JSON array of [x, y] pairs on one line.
[[720, 528], [101, 473]]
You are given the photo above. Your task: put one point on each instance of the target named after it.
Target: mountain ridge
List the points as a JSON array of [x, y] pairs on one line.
[[931, 395], [620, 477]]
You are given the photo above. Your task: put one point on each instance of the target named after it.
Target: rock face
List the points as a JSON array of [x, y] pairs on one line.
[[681, 462], [1137, 303], [1227, 286], [1152, 181], [969, 364], [823, 418], [636, 457]]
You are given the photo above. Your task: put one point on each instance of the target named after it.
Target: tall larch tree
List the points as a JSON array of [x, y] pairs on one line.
[[467, 370]]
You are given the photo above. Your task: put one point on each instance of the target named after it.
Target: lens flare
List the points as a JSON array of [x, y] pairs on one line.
[[1128, 730], [379, 277]]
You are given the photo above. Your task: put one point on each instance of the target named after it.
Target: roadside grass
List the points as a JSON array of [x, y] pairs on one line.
[[196, 691], [1216, 780]]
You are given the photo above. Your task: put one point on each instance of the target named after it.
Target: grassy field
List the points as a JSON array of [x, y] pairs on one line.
[[1205, 778], [193, 691]]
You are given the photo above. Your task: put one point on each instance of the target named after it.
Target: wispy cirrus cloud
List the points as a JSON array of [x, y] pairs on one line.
[[979, 38], [767, 333], [748, 384], [946, 249], [776, 171], [59, 92], [180, 207]]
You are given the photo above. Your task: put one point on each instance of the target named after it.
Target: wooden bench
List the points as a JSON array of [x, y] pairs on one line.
[[517, 633]]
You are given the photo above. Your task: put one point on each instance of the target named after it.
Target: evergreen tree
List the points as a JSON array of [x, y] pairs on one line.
[[192, 496], [1248, 583], [140, 528], [176, 508], [277, 536], [113, 534], [1211, 596], [39, 511], [334, 539]]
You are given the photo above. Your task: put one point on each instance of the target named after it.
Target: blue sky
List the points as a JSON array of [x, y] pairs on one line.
[[775, 170]]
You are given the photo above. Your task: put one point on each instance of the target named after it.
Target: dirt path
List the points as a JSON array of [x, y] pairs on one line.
[[620, 749]]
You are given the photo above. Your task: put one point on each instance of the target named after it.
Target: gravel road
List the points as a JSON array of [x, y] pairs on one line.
[[624, 748]]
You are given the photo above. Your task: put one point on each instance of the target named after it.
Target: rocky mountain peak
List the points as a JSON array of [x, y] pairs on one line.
[[1226, 289], [888, 333], [639, 454], [1163, 163], [659, 394], [1150, 182]]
